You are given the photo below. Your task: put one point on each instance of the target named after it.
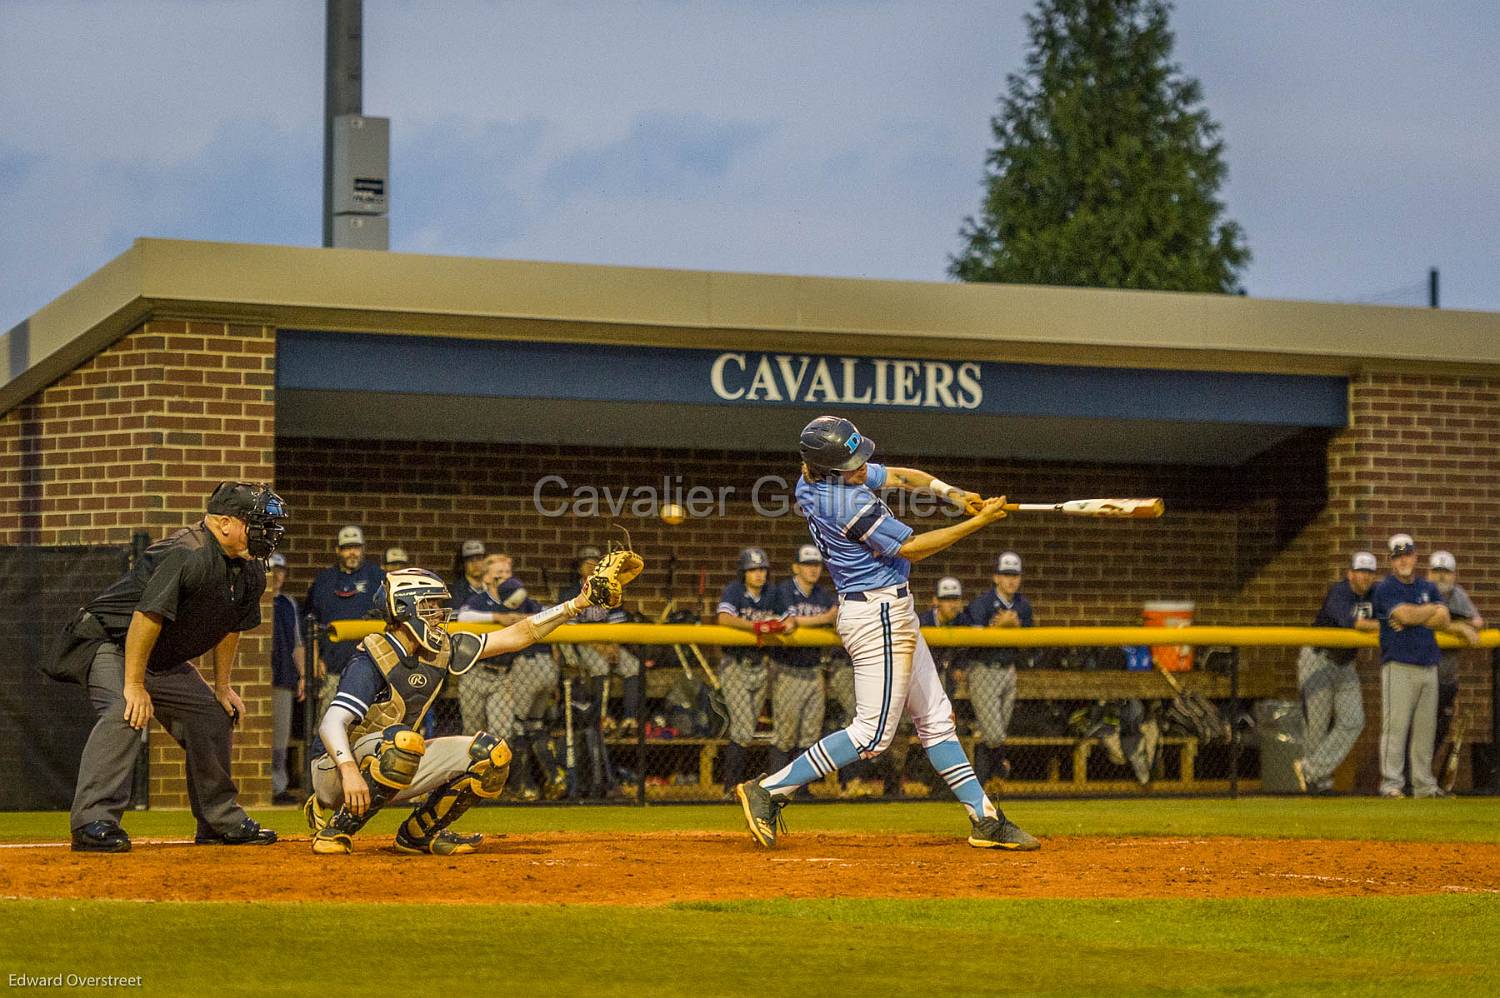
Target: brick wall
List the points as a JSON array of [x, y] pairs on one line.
[[1422, 455], [429, 497], [134, 440]]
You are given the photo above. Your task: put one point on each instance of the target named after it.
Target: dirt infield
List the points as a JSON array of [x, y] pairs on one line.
[[659, 868]]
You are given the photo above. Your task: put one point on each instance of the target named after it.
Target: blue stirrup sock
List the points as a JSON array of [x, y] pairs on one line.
[[833, 752], [947, 757]]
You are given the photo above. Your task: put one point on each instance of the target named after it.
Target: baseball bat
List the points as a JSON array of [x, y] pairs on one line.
[[1138, 509], [1455, 751]]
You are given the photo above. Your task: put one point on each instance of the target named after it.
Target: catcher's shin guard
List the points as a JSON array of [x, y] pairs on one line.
[[489, 767], [388, 771]]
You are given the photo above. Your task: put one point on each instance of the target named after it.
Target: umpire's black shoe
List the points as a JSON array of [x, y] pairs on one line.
[[100, 836], [249, 833]]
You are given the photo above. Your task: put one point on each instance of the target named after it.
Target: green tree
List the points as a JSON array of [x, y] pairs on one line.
[[1106, 168]]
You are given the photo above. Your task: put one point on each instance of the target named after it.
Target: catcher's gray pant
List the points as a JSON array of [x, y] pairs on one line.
[[1408, 702], [992, 693], [183, 704], [1335, 711], [744, 685], [487, 700], [797, 706], [444, 759], [281, 733]]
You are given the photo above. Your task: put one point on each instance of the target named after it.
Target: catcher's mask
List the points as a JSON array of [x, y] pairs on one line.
[[416, 599], [263, 511]]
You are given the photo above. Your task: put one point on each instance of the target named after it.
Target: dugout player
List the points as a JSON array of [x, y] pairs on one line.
[[594, 662], [869, 554], [746, 604], [1410, 611], [503, 694], [992, 671], [797, 689], [133, 645], [344, 590], [1465, 623], [1331, 699], [374, 755], [468, 572], [288, 674]]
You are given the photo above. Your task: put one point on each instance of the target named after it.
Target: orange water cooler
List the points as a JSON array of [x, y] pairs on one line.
[[1166, 613]]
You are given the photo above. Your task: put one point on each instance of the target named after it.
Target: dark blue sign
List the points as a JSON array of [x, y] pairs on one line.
[[424, 365]]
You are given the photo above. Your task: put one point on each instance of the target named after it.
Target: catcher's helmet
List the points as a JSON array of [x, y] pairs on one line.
[[753, 558], [263, 511], [417, 599], [831, 443]]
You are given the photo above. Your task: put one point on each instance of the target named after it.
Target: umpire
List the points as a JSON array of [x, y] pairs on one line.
[[133, 645]]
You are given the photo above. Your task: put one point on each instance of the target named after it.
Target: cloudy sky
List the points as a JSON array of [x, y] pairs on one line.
[[842, 137]]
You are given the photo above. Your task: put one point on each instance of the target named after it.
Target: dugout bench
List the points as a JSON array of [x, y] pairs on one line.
[[1067, 764]]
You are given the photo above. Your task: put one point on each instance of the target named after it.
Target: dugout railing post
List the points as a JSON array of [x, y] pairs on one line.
[[311, 687], [1234, 727]]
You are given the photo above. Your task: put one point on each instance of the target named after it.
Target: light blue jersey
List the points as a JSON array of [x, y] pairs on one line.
[[856, 532]]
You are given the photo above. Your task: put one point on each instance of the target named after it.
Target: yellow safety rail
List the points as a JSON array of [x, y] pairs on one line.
[[952, 637]]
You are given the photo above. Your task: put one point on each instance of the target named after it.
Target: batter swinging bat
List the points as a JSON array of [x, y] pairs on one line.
[[1139, 509]]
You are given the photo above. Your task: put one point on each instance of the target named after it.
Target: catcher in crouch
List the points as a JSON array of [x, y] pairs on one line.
[[368, 753]]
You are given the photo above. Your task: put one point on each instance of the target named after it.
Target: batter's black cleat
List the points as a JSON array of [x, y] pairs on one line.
[[762, 811], [1001, 833], [100, 836], [249, 833]]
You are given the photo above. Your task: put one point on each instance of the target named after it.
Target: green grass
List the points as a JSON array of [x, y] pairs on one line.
[[1411, 946], [1471, 819]]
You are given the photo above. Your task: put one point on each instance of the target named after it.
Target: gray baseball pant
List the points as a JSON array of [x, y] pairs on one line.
[[1335, 711], [183, 704], [992, 693], [281, 734], [797, 707], [1408, 700], [744, 684]]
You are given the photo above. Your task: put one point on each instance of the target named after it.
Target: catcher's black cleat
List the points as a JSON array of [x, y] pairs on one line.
[[100, 836], [1001, 833], [762, 811], [444, 843], [247, 833]]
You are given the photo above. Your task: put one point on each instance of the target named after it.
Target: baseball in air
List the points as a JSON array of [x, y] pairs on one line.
[[673, 514]]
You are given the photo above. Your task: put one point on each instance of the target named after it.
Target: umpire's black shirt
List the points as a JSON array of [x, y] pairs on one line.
[[200, 592]]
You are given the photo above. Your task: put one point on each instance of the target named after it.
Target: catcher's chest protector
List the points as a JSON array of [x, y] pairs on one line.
[[414, 681]]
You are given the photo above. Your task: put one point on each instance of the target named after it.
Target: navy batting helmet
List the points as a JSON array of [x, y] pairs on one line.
[[831, 443], [753, 558]]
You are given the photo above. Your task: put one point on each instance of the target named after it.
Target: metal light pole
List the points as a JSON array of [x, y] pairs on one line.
[[356, 149]]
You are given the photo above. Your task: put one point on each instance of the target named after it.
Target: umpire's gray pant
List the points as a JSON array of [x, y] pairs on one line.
[[992, 693], [1408, 699], [184, 705], [1335, 710]]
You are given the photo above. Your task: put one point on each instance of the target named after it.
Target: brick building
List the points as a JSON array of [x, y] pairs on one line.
[[431, 399]]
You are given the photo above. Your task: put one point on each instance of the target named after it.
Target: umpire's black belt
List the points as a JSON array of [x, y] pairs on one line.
[[901, 593]]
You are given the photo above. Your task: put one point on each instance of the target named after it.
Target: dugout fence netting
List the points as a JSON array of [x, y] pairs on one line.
[[659, 713]]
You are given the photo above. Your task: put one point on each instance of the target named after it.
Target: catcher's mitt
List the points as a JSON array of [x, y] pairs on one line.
[[606, 585]]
